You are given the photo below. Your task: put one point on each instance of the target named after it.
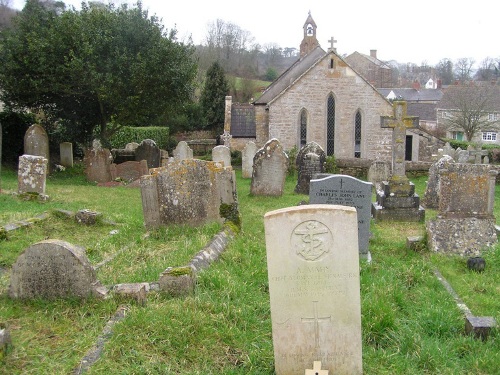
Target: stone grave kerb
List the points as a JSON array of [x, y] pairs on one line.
[[399, 184]]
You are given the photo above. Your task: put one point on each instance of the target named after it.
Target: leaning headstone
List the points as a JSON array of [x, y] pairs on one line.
[[465, 224], [31, 174], [310, 161], [186, 192], [52, 269], [36, 141], [66, 154], [431, 196], [347, 191], [314, 287], [182, 151], [149, 151], [97, 163], [132, 146], [247, 155], [222, 154], [270, 164]]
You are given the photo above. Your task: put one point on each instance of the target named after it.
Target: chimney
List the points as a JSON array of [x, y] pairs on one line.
[[416, 85], [439, 84], [373, 53]]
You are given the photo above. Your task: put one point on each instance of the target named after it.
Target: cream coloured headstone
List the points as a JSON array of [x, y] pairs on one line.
[[313, 270]]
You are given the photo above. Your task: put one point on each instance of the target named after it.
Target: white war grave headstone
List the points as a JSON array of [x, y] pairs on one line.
[[314, 287], [346, 191]]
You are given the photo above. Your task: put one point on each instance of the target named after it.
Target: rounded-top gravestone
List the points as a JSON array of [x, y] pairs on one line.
[[52, 269]]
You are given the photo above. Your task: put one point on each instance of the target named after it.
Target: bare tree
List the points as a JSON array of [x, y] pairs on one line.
[[471, 108], [488, 70], [463, 69], [6, 14]]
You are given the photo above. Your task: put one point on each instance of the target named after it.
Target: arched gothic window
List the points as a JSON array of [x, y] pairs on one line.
[[303, 128], [330, 125], [357, 135]]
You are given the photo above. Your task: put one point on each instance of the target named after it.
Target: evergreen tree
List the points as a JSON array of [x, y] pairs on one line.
[[213, 98]]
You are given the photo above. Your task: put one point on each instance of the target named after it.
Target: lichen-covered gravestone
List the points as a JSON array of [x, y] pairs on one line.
[[36, 141], [465, 224], [97, 163], [314, 287], [222, 154], [185, 192], [310, 161], [182, 151], [52, 269], [270, 165], [31, 174]]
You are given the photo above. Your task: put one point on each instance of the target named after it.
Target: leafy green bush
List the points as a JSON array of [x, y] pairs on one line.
[[129, 134], [331, 165], [292, 157], [456, 144]]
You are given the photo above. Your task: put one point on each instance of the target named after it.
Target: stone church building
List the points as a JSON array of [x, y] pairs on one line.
[[321, 98]]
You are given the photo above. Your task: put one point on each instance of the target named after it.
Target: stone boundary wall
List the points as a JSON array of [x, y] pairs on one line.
[[359, 167]]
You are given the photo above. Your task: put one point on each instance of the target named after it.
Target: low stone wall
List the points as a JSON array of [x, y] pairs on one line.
[[359, 167]]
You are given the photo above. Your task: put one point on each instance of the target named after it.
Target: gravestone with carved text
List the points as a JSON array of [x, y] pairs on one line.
[[310, 161], [270, 165], [347, 191], [396, 198], [247, 155], [314, 287]]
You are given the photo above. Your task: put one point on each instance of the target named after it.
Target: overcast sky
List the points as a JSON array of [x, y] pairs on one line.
[[411, 31]]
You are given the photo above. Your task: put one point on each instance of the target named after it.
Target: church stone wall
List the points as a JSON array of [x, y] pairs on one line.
[[351, 93]]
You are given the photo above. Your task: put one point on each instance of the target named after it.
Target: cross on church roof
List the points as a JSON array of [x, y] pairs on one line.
[[332, 42]]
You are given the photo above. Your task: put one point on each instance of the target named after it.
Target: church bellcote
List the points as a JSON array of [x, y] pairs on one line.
[[309, 42]]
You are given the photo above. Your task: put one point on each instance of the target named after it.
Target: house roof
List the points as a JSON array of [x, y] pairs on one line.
[[372, 59], [413, 95], [480, 91], [424, 111], [291, 75]]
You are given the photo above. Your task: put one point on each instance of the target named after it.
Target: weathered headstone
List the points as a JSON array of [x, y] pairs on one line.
[[270, 165], [66, 154], [36, 141], [132, 146], [129, 170], [310, 160], [149, 151], [378, 172], [346, 191], [247, 155], [314, 287], [222, 154], [465, 224], [31, 174], [97, 163], [182, 151], [185, 192], [431, 196], [396, 199], [52, 269]]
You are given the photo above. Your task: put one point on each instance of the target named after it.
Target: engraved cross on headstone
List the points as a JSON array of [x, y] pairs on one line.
[[316, 320], [399, 122], [332, 42], [316, 370]]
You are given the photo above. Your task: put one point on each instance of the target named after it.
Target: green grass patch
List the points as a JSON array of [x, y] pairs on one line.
[[410, 324]]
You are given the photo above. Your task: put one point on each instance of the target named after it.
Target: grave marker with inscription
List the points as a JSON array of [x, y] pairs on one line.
[[247, 159], [314, 287], [52, 269], [222, 154], [310, 160], [347, 191], [31, 174], [270, 164], [66, 154]]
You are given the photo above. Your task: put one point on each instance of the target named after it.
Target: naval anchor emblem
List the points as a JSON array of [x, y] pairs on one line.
[[311, 240]]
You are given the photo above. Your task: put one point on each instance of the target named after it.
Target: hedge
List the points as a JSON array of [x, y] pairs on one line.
[[128, 134]]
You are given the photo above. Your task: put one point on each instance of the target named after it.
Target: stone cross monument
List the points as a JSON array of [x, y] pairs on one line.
[[396, 199], [399, 123]]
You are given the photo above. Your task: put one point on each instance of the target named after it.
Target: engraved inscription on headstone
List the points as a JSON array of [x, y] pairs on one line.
[[347, 191], [52, 269], [313, 270], [269, 170]]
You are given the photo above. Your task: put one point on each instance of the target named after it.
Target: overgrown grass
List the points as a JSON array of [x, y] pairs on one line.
[[410, 324]]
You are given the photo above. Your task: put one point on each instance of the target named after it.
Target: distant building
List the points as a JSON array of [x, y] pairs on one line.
[[375, 71]]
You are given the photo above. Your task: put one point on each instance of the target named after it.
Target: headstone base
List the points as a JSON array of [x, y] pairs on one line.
[[479, 326], [462, 236], [398, 202]]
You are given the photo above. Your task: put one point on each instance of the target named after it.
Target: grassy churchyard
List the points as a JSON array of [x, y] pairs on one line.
[[410, 323]]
